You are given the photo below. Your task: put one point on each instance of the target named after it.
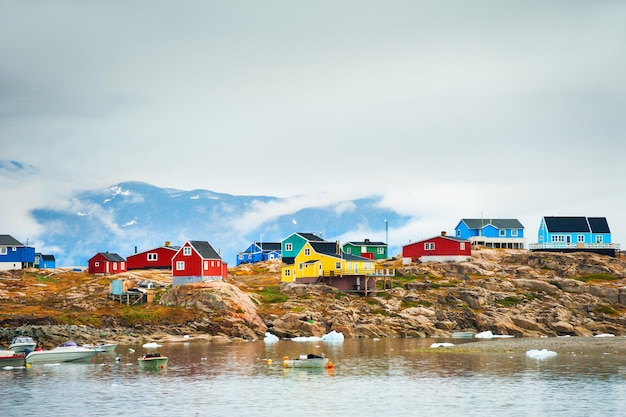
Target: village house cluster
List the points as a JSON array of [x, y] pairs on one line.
[[353, 266]]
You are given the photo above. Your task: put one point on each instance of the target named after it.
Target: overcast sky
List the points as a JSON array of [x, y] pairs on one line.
[[449, 109]]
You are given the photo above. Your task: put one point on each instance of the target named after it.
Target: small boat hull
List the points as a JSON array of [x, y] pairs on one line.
[[462, 335], [11, 358], [305, 361], [154, 362]]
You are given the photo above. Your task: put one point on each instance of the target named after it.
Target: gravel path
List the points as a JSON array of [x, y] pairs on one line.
[[615, 345]]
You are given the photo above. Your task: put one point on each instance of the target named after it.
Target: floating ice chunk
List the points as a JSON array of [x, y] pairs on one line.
[[605, 335], [151, 345], [333, 337], [438, 345], [484, 335], [270, 338], [540, 354], [306, 339]]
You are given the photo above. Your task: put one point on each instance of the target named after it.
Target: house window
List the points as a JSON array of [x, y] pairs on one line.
[[429, 246], [152, 256], [187, 251], [381, 251], [287, 272], [300, 266], [122, 265], [558, 238], [337, 265], [502, 232], [96, 264], [514, 232], [3, 250], [348, 249], [462, 245], [218, 264], [206, 265], [288, 246], [307, 252], [180, 265], [599, 239], [458, 233], [115, 266], [580, 239]]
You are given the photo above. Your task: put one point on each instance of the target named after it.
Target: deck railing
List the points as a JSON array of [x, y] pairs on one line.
[[562, 245], [378, 272]]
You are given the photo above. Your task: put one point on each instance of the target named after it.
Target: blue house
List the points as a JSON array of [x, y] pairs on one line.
[[259, 251], [44, 261], [14, 254], [492, 233], [575, 234]]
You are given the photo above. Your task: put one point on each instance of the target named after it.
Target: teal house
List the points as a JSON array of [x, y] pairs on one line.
[[293, 244]]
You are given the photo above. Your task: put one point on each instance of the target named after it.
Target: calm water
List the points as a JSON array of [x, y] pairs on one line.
[[388, 377]]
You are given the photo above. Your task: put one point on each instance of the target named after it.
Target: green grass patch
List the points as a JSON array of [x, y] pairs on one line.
[[604, 309], [596, 277], [508, 301], [41, 278], [271, 295]]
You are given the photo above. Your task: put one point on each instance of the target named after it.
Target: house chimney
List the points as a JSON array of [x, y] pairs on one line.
[[135, 249], [367, 241], [167, 243], [443, 233], [337, 248]]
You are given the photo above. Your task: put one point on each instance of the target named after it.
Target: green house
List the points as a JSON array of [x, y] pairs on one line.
[[367, 249]]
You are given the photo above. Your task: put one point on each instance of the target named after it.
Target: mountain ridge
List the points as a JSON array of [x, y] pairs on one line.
[[133, 216]]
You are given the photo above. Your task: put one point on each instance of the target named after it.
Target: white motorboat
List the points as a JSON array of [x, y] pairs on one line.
[[22, 344], [67, 352]]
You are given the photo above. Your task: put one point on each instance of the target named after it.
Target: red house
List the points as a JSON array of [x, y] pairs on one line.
[[157, 258], [197, 261], [107, 263], [437, 249]]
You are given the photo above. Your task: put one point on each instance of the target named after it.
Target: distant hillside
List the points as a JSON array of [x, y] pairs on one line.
[[137, 216]]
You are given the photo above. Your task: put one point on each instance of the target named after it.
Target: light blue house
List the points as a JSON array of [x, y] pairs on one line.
[[575, 234], [14, 254], [258, 252], [492, 233]]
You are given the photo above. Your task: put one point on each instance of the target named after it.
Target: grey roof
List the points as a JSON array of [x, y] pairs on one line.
[[8, 240], [576, 224], [497, 223], [113, 257], [205, 249]]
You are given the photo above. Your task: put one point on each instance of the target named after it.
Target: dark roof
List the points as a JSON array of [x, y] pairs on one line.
[[330, 249], [366, 243], [599, 225], [47, 257], [8, 240], [268, 246], [576, 224], [326, 248], [497, 223], [205, 249], [113, 257], [311, 237]]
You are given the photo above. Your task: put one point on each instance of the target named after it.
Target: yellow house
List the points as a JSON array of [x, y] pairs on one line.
[[326, 262]]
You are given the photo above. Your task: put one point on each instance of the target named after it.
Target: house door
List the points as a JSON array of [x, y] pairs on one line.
[[568, 240]]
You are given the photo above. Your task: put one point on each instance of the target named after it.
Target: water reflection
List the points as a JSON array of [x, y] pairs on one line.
[[387, 377]]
